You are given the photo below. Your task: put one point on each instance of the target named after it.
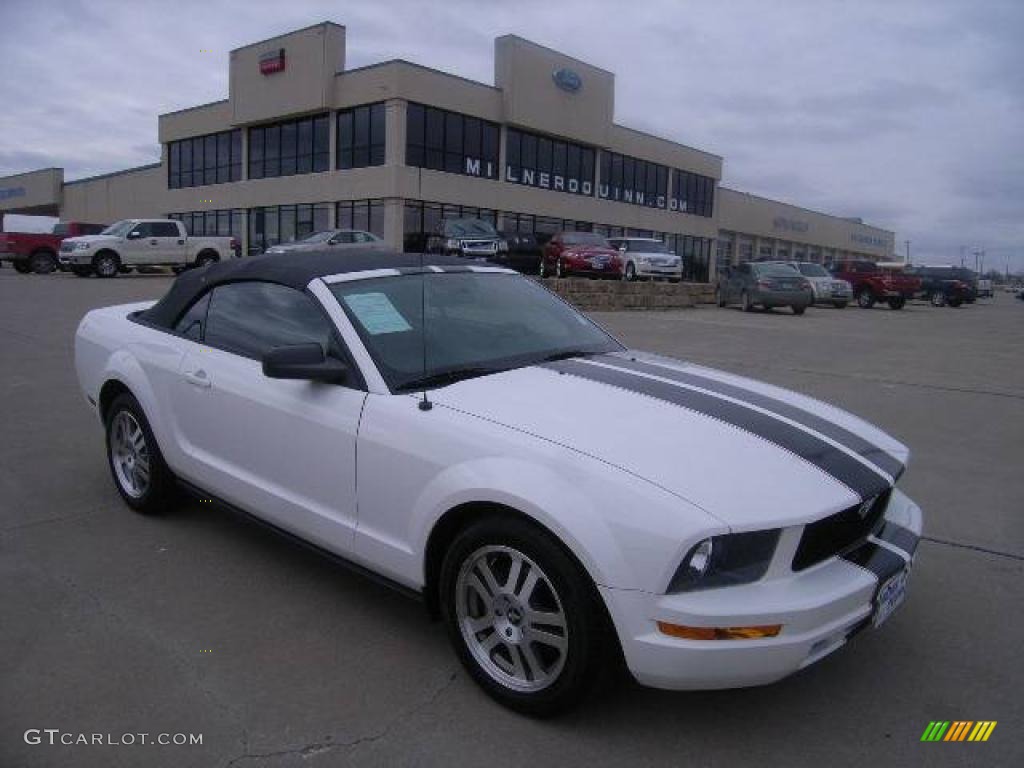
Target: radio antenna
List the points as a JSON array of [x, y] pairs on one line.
[[425, 404]]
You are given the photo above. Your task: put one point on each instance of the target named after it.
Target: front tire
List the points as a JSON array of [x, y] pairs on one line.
[[897, 302], [748, 305], [629, 274], [799, 310], [839, 304], [526, 621], [205, 259], [719, 297], [22, 267], [106, 264], [560, 269], [136, 464], [865, 300]]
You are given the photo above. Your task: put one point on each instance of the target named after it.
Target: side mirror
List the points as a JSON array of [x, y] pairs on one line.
[[305, 362], [134, 235], [622, 249]]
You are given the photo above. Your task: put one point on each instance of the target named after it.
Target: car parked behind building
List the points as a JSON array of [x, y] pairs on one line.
[[647, 257], [469, 238], [37, 251], [764, 284], [331, 239], [580, 253]]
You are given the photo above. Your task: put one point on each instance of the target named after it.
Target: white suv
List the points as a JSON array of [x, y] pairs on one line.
[[647, 257]]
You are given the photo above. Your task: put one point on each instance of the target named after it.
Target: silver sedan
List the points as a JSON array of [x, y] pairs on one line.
[[330, 239]]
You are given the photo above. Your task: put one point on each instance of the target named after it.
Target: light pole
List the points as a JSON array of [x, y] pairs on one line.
[[906, 259]]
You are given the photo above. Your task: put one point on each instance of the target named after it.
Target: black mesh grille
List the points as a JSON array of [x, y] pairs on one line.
[[836, 533]]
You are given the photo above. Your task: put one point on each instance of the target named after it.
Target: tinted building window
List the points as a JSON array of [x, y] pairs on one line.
[[223, 223], [631, 180], [539, 161], [274, 224], [450, 141], [252, 318], [212, 159], [289, 148], [361, 140], [367, 215], [693, 193]]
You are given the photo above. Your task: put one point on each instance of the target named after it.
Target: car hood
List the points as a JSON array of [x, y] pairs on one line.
[[91, 239], [589, 251], [655, 255], [750, 454]]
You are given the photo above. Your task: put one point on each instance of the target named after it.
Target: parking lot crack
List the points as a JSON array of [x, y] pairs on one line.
[[973, 547], [328, 745]]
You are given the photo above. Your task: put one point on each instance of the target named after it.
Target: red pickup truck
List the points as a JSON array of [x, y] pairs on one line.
[[872, 284], [37, 251]]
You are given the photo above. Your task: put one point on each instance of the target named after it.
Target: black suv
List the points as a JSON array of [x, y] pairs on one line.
[[475, 239], [946, 285]]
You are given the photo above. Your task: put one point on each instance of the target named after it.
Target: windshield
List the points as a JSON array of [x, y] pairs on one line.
[[463, 227], [812, 270], [585, 238], [774, 270], [475, 323], [60, 229], [646, 246], [318, 237], [118, 228]]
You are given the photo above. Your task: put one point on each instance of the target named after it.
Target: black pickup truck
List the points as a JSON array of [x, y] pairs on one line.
[[944, 286]]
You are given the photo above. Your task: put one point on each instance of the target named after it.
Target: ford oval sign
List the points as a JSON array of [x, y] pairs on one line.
[[567, 80]]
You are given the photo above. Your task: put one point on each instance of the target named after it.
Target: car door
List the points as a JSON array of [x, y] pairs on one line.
[[136, 247], [341, 240], [170, 242], [281, 449]]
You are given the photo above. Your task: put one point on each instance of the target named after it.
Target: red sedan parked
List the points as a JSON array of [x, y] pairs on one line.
[[580, 253]]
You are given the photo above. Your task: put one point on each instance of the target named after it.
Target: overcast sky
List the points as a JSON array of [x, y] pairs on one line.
[[909, 114]]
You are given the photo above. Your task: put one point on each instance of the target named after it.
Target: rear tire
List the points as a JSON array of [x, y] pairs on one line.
[[629, 273], [839, 304], [543, 271], [799, 310], [205, 259], [136, 464], [526, 621], [937, 299], [21, 267], [897, 302], [748, 306], [42, 262], [719, 297]]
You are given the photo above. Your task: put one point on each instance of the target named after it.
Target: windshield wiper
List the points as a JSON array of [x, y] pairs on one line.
[[446, 377]]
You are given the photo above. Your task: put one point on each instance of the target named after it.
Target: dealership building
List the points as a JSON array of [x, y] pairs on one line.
[[303, 144]]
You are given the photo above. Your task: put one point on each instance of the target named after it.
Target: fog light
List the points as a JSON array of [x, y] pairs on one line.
[[718, 633]]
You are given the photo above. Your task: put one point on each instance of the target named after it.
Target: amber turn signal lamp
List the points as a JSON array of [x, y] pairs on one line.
[[718, 633]]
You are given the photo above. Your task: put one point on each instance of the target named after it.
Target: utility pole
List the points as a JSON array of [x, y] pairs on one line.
[[906, 260], [962, 249]]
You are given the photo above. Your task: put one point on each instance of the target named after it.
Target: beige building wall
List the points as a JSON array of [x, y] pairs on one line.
[[33, 193], [745, 219]]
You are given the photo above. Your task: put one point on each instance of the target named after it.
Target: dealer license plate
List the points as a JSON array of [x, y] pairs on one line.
[[890, 596]]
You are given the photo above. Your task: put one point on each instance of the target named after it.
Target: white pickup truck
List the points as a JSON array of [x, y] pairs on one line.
[[133, 243]]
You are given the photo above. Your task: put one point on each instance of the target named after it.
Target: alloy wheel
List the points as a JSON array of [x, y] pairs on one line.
[[511, 618], [129, 454]]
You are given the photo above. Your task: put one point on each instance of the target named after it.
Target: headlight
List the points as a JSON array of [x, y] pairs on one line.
[[451, 244], [82, 246], [275, 250], [502, 246], [722, 561]]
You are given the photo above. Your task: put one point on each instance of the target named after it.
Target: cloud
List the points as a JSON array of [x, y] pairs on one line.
[[906, 114]]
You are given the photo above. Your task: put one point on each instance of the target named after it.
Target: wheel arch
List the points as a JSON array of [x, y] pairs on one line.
[[42, 249], [457, 519], [207, 252]]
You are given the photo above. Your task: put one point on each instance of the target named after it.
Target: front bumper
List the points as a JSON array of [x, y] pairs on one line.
[[68, 259], [819, 609], [783, 298], [652, 270]]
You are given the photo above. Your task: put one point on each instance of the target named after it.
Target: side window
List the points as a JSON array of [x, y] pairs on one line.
[[144, 229], [164, 229], [191, 323], [249, 319], [342, 238]]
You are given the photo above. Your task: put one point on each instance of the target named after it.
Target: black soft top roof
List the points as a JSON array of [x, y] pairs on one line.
[[295, 270]]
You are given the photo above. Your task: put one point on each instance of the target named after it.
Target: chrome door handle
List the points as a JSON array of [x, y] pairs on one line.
[[198, 378], [153, 242]]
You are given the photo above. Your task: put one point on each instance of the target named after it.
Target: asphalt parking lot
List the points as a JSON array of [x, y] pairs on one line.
[[199, 622]]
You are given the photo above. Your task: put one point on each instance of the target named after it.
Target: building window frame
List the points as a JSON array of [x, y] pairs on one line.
[[362, 136], [290, 147], [545, 162], [199, 161], [442, 140]]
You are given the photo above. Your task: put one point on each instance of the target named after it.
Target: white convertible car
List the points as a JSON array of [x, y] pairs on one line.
[[560, 501]]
